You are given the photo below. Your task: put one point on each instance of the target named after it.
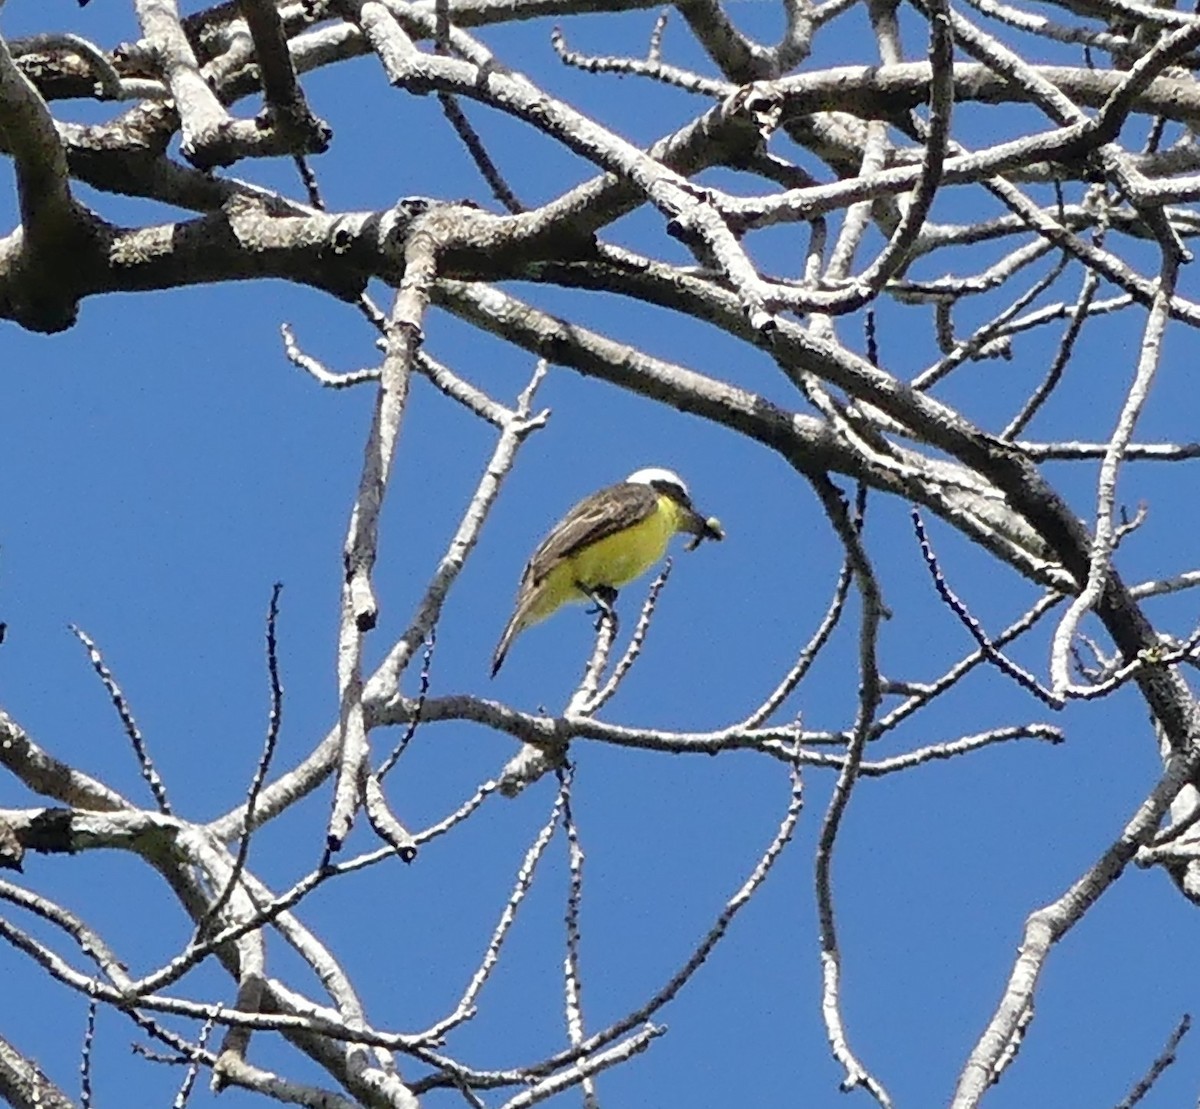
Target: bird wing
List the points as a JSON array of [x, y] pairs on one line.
[[592, 519]]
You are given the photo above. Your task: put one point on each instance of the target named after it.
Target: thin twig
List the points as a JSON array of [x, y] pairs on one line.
[[636, 642], [411, 728], [193, 1065], [145, 764], [85, 1062], [1164, 1059], [491, 955], [1099, 558], [808, 655], [274, 722], [873, 611], [1018, 673], [572, 978]]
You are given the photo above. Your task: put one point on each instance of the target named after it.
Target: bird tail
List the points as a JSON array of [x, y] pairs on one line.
[[511, 631]]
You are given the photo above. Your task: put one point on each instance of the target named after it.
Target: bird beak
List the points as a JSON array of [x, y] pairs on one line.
[[702, 528]]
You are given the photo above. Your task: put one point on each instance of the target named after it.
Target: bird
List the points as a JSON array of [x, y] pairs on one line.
[[603, 543]]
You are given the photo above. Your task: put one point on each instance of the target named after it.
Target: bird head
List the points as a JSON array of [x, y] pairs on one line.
[[670, 484]]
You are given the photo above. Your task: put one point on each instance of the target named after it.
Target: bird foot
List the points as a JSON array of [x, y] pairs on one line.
[[603, 597]]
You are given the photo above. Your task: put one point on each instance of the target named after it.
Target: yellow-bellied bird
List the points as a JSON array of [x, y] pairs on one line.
[[603, 543]]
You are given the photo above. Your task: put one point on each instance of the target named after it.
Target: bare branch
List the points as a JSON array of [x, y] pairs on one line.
[[359, 607], [286, 106], [873, 611], [1048, 925], [23, 1084], [145, 764], [1164, 1059], [1104, 539], [572, 975]]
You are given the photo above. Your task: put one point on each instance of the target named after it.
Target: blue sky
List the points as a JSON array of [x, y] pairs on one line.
[[166, 465]]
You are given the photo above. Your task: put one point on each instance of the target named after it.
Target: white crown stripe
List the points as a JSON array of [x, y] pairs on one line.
[[653, 474]]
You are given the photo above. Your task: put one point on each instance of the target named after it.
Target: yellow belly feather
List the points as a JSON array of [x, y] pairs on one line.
[[614, 561]]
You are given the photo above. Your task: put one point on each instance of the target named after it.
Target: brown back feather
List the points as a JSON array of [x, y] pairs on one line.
[[592, 519]]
